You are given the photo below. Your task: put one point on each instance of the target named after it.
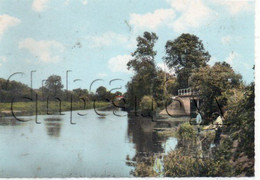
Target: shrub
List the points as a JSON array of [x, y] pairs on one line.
[[148, 104], [178, 165]]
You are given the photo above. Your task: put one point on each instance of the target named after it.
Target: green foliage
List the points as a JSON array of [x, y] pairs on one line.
[[54, 85], [212, 83], [186, 132], [235, 154], [184, 54], [53, 88], [28, 108], [144, 54], [184, 162], [172, 85], [147, 104], [143, 169], [178, 165], [159, 90], [81, 93], [148, 80], [101, 93], [12, 89], [240, 116], [142, 82]]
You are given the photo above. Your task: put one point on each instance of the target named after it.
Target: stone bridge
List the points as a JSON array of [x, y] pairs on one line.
[[183, 104]]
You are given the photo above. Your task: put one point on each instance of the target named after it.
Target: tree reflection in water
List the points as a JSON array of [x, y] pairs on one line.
[[8, 121], [144, 134], [53, 126], [11, 121]]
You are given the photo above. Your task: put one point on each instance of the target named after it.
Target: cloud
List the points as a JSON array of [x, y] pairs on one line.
[[238, 63], [119, 63], [235, 7], [7, 21], [39, 5], [101, 75], [226, 40], [231, 57], [66, 3], [213, 60], [3, 59], [84, 2], [44, 50], [165, 68], [110, 38], [190, 14], [152, 20], [193, 14], [187, 14]]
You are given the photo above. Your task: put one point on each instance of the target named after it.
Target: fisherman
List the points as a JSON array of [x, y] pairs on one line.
[[218, 129], [198, 121]]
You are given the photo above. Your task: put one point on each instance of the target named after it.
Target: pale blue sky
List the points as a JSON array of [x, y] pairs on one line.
[[94, 38]]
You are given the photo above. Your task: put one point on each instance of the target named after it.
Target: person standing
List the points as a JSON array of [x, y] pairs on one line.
[[198, 121]]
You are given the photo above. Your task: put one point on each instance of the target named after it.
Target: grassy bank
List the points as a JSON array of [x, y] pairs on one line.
[[28, 108]]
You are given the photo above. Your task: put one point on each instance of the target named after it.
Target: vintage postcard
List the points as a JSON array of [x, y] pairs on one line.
[[127, 88]]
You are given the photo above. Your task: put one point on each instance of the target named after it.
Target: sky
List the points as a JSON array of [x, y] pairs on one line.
[[95, 38]]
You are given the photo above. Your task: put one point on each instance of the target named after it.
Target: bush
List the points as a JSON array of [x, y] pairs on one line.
[[186, 136], [145, 169], [148, 104], [178, 165]]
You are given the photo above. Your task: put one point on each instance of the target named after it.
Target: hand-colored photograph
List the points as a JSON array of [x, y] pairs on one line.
[[127, 88]]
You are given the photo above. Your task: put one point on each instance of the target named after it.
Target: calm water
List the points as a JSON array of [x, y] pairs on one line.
[[93, 147]]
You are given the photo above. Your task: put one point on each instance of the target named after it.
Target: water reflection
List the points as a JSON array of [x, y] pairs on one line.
[[53, 126], [9, 121], [143, 132], [97, 147]]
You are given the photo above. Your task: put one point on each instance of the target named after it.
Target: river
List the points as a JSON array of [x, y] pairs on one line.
[[93, 147]]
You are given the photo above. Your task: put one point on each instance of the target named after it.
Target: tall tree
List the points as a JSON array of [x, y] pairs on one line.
[[184, 54], [144, 67], [144, 54], [101, 93], [54, 85], [214, 83]]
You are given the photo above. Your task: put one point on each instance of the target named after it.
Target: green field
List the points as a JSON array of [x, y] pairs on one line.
[[29, 108]]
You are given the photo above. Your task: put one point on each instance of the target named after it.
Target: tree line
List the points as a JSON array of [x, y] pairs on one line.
[[51, 90]]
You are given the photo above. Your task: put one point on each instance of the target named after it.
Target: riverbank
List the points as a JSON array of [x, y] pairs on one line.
[[29, 108], [199, 155]]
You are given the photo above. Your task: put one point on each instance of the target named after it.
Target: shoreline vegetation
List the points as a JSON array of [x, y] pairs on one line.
[[28, 108], [52, 93]]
